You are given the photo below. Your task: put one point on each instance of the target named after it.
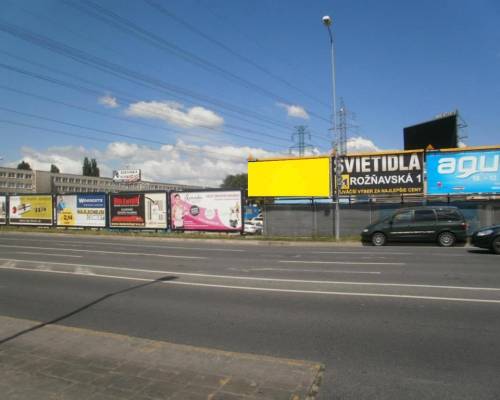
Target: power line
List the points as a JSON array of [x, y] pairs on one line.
[[115, 117], [125, 25], [117, 70], [162, 9], [218, 156], [261, 118], [98, 93]]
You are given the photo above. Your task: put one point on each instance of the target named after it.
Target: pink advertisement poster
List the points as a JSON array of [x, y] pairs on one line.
[[206, 211]]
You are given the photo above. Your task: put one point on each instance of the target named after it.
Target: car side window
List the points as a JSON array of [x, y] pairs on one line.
[[403, 217], [425, 216], [449, 215]]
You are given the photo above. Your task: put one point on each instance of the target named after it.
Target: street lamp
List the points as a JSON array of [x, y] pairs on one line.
[[327, 21]]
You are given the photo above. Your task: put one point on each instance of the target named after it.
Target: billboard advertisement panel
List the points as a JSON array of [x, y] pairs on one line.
[[301, 177], [127, 175], [138, 210], [463, 172], [126, 210], [155, 205], [85, 210], [3, 210], [206, 211], [383, 173], [30, 210]]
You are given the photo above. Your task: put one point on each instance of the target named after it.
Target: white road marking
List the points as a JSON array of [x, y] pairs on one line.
[[104, 252], [251, 278], [361, 253], [249, 288], [305, 270], [125, 244], [342, 262], [48, 254]]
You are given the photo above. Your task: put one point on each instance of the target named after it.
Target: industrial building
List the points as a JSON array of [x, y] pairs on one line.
[[14, 180]]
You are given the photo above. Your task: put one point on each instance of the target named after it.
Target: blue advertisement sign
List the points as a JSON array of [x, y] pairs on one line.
[[463, 172]]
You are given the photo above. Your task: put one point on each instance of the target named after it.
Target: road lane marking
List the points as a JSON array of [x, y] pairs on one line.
[[361, 253], [48, 254], [118, 243], [251, 278], [249, 269], [342, 262], [105, 252], [250, 288]]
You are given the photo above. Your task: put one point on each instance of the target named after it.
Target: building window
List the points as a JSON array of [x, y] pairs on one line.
[[28, 186], [58, 179], [19, 176], [65, 180], [12, 184], [12, 175], [77, 180], [3, 174], [27, 176], [20, 185], [3, 184], [71, 180]]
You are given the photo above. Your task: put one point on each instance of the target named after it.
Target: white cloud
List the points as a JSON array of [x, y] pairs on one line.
[[461, 144], [294, 111], [108, 101], [179, 163], [360, 145], [176, 114]]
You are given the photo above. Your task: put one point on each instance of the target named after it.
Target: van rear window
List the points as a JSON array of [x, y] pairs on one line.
[[449, 215]]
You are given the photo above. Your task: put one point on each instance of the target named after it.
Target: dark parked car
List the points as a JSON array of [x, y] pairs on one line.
[[444, 225], [487, 238]]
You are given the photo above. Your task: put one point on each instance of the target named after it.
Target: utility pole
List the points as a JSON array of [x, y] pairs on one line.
[[299, 137]]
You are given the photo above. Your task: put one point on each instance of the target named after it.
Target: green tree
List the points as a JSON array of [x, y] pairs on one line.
[[86, 168], [24, 165], [94, 169], [238, 181], [54, 169]]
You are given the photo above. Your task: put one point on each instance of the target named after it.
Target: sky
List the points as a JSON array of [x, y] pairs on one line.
[[188, 90]]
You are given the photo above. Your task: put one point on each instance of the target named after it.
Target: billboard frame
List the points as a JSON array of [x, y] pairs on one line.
[[30, 194], [140, 228], [242, 212], [106, 199]]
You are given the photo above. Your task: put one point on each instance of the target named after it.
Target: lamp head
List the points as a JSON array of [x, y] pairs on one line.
[[327, 21]]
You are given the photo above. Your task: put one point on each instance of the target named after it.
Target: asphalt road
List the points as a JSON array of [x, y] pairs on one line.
[[399, 322]]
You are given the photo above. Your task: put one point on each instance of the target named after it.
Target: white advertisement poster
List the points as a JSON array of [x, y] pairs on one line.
[[85, 210], [206, 211], [155, 210], [127, 175], [3, 210]]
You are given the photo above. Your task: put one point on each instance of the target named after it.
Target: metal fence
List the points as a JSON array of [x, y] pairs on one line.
[[317, 220]]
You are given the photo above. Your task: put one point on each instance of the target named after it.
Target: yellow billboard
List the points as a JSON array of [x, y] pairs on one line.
[[299, 177], [30, 210]]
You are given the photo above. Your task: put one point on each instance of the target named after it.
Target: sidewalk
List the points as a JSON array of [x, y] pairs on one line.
[[57, 362]]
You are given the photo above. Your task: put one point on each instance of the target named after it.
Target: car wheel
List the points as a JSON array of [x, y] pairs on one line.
[[446, 239], [379, 239], [495, 245]]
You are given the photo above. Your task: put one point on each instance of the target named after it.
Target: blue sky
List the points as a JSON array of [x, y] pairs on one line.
[[398, 63]]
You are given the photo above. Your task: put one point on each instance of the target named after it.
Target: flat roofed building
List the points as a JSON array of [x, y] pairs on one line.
[[14, 180]]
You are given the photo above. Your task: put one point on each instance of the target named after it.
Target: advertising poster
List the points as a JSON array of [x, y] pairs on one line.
[[297, 177], [155, 205], [206, 211], [384, 173], [3, 210], [30, 210], [126, 210], [127, 175], [463, 172], [87, 210]]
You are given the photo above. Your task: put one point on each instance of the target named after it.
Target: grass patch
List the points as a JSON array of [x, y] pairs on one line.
[[172, 235]]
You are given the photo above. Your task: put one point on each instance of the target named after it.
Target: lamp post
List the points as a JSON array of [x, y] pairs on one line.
[[327, 21]]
